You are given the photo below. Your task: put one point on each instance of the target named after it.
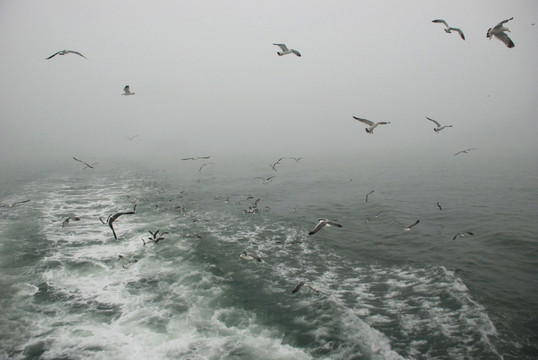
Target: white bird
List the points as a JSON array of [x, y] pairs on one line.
[[65, 52], [321, 223], [498, 31], [249, 257], [286, 51], [373, 125], [126, 262], [196, 158], [265, 180], [407, 228], [371, 192], [464, 151], [462, 234], [448, 29], [126, 91], [439, 127], [66, 221]]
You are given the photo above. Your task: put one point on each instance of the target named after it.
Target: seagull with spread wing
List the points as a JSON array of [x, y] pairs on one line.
[[449, 29], [499, 32], [65, 52], [286, 51], [372, 125], [439, 127]]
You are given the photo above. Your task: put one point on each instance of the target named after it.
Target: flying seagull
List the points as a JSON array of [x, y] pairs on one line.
[[373, 125], [464, 151], [368, 194], [439, 205], [439, 127], [462, 234], [14, 204], [302, 284], [407, 228], [449, 29], [84, 162], [131, 138], [126, 262], [126, 91], [111, 218], [196, 158], [65, 52], [286, 51], [296, 159], [499, 32], [249, 257], [265, 180], [321, 223], [66, 221]]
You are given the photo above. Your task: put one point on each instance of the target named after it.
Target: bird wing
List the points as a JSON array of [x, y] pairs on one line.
[[333, 223], [503, 22], [364, 120], [297, 287], [455, 237], [440, 21], [416, 222], [459, 31], [76, 52], [126, 89], [282, 46], [53, 55], [436, 123], [469, 233], [383, 123], [505, 39], [319, 225], [296, 52]]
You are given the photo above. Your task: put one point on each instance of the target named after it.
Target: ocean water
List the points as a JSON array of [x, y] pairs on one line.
[[380, 292]]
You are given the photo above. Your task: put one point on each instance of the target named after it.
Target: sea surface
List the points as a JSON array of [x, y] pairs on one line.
[[376, 291]]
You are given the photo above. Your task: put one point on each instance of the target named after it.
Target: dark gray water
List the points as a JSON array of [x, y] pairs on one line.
[[383, 292]]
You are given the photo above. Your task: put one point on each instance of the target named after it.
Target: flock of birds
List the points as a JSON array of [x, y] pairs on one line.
[[498, 31]]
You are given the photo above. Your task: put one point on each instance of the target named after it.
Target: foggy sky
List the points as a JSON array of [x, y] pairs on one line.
[[208, 80]]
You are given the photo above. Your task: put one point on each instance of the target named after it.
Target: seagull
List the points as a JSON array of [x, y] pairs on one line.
[[204, 164], [439, 127], [464, 151], [375, 216], [273, 166], [296, 159], [407, 228], [126, 91], [499, 32], [265, 180], [286, 51], [462, 234], [14, 204], [321, 223], [302, 284], [249, 257], [84, 162], [131, 138], [65, 52], [439, 205], [127, 263], [66, 221], [373, 125], [111, 218], [368, 194], [449, 29], [196, 158]]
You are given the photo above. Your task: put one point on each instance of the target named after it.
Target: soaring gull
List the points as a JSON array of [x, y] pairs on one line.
[[302, 284], [321, 223], [65, 52], [131, 138], [12, 205], [265, 180], [126, 262], [250, 257], [373, 125], [439, 205], [111, 218], [499, 32], [196, 158], [407, 228], [66, 221], [84, 162], [462, 234], [464, 151], [286, 51], [127, 92], [449, 29], [439, 127]]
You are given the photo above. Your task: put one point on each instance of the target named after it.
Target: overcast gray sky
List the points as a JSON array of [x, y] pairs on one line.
[[208, 80]]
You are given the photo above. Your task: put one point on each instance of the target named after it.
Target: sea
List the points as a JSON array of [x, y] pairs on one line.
[[374, 290]]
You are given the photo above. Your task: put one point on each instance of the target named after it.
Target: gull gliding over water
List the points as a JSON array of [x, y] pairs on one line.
[[498, 31], [249, 257], [464, 151], [373, 125], [66, 221], [407, 228], [321, 223], [302, 284], [13, 204], [439, 127], [462, 234], [65, 52], [368, 194], [449, 29], [286, 51], [126, 91], [111, 218], [84, 162]]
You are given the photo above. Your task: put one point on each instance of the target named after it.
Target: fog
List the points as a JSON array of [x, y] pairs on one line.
[[208, 81]]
